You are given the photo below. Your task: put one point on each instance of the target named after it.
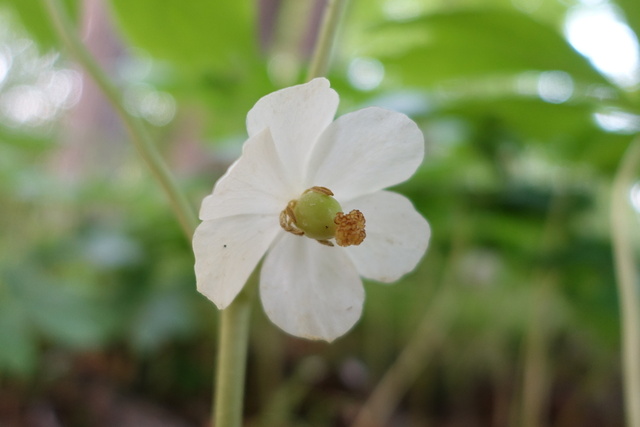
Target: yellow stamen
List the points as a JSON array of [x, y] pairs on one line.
[[350, 228]]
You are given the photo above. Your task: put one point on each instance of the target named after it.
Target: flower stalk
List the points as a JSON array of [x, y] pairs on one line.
[[228, 398], [234, 328], [627, 280]]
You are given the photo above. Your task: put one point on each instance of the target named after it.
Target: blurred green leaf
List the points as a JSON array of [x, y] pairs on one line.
[[471, 43], [163, 316], [553, 122], [197, 33], [23, 140], [63, 313], [210, 51], [35, 19], [631, 9], [18, 345], [568, 130]]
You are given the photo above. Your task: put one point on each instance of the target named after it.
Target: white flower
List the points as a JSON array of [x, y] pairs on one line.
[[310, 289]]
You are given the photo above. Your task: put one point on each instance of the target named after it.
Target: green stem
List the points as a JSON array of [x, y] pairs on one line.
[[136, 129], [627, 280], [536, 367], [232, 359], [235, 319], [328, 30]]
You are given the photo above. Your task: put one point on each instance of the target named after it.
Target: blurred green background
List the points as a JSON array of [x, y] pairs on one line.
[[512, 317]]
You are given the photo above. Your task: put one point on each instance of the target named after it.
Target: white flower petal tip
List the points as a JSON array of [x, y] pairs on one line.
[[366, 151], [312, 288], [397, 237], [227, 250], [296, 117]]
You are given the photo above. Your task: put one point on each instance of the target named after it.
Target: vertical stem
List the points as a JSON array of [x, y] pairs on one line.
[[136, 129], [329, 28], [228, 397], [627, 280], [234, 335], [535, 381], [536, 375], [234, 319], [429, 335]]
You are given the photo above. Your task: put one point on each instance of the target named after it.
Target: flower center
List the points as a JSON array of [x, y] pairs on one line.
[[317, 215]]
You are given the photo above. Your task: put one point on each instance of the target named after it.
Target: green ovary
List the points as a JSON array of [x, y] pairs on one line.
[[315, 213]]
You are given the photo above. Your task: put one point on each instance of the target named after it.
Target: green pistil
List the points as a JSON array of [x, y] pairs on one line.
[[315, 212]]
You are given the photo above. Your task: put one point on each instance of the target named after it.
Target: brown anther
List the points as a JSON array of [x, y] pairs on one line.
[[288, 219], [350, 228], [325, 242], [321, 190], [289, 211]]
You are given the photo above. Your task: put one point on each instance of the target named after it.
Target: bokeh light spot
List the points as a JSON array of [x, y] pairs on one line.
[[158, 108], [365, 73], [5, 63], [634, 196], [600, 34], [618, 121], [555, 87]]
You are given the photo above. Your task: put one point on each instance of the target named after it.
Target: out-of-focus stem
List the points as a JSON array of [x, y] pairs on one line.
[[413, 358], [136, 129], [328, 30], [535, 381], [627, 280], [234, 322]]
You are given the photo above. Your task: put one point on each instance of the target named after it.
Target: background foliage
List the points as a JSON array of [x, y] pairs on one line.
[[515, 303]]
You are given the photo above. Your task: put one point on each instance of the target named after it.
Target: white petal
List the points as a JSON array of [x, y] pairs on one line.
[[254, 184], [310, 290], [397, 236], [296, 116], [227, 250], [366, 151]]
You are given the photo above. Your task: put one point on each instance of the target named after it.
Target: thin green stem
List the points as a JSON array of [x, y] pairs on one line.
[[136, 129], [427, 338], [326, 37], [627, 280], [228, 397], [412, 360], [234, 323], [536, 368]]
